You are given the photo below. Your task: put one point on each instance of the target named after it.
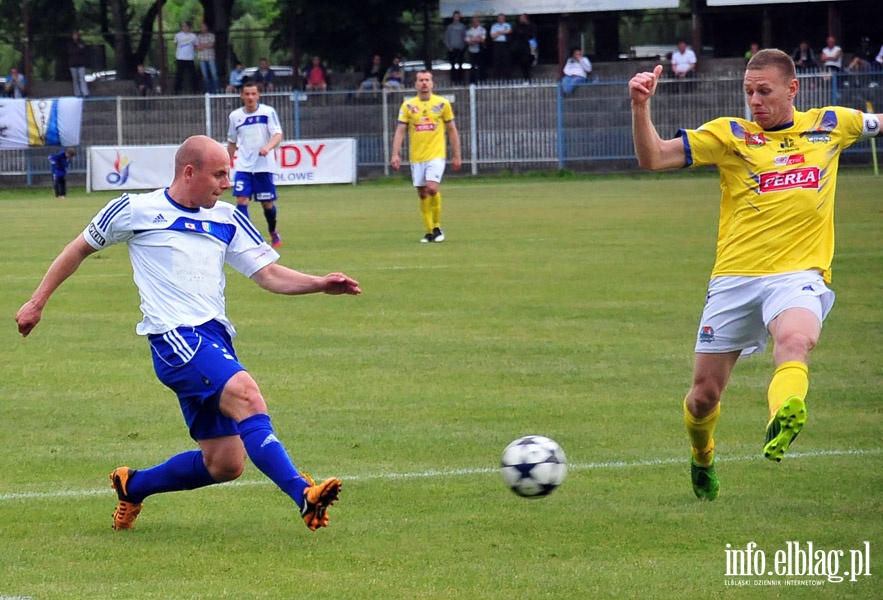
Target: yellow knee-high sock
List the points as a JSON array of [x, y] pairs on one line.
[[426, 213], [790, 379], [435, 209], [701, 434]]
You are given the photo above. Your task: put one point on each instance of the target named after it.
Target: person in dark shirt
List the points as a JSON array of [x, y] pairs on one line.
[[60, 161]]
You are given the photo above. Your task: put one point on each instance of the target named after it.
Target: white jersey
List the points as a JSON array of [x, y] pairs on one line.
[[178, 255], [251, 131]]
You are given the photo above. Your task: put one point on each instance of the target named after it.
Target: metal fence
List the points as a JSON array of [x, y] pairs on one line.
[[512, 127]]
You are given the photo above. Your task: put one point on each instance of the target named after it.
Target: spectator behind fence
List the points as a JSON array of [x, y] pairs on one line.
[[372, 78], [524, 43], [753, 49], [394, 78], [879, 59], [501, 31], [832, 56], [577, 71], [265, 77], [237, 78], [76, 60], [804, 58], [185, 59], [683, 61], [205, 52], [475, 38], [316, 76], [863, 58], [455, 42], [15, 85], [59, 163], [143, 81]]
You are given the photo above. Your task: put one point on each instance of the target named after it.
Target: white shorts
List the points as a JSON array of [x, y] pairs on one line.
[[738, 310], [431, 170]]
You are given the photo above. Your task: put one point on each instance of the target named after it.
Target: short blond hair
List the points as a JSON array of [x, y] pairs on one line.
[[771, 57]]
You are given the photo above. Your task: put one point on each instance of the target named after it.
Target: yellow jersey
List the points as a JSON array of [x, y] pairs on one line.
[[426, 127], [777, 188]]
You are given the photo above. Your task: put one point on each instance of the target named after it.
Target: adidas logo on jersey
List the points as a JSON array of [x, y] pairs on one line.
[[159, 218]]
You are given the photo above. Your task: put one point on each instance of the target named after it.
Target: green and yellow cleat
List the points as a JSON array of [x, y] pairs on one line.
[[705, 483], [782, 429]]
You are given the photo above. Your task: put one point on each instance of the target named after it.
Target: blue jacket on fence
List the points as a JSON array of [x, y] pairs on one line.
[[59, 162]]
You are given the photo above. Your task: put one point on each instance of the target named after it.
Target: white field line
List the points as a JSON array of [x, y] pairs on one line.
[[432, 473]]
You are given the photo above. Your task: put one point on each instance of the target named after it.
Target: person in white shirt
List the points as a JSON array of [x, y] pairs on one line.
[[576, 71], [185, 59], [253, 133], [683, 61], [832, 55], [879, 59], [475, 38], [179, 240]]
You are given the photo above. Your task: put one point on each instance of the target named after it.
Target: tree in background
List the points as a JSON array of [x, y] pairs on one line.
[[344, 32], [50, 23]]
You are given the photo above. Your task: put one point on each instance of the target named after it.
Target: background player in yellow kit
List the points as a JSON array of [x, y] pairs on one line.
[[426, 117], [775, 242]]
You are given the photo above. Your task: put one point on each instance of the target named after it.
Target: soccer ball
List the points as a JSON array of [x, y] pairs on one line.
[[533, 466]]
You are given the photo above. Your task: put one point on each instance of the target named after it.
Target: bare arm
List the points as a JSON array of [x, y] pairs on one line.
[[274, 141], [282, 280], [454, 136], [397, 140], [653, 152], [231, 150], [64, 265]]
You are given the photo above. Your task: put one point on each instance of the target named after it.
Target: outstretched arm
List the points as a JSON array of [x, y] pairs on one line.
[[652, 151], [282, 280], [64, 265]]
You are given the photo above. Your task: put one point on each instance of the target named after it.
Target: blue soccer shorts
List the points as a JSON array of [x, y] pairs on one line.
[[196, 363], [257, 186]]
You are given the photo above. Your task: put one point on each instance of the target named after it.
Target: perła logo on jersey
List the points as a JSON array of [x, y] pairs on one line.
[[807, 177]]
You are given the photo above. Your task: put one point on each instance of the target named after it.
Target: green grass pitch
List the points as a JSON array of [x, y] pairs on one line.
[[565, 307]]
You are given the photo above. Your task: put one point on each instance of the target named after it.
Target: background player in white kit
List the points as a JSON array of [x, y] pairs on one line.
[[253, 133], [179, 239]]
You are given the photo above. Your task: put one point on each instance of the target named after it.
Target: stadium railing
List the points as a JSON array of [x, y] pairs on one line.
[[512, 126]]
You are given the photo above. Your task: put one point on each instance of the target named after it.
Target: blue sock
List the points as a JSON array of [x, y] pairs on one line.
[[270, 216], [185, 471], [243, 208], [267, 453]]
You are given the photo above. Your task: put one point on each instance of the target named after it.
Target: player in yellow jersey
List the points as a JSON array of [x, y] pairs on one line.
[[775, 244], [426, 117]]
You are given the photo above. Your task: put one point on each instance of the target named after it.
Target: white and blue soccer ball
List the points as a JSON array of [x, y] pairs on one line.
[[533, 466]]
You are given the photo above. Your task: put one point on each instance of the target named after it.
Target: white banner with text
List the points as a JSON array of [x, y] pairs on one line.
[[300, 162]]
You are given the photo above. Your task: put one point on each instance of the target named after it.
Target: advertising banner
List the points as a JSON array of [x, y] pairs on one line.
[[44, 122], [315, 161], [130, 167], [300, 162]]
